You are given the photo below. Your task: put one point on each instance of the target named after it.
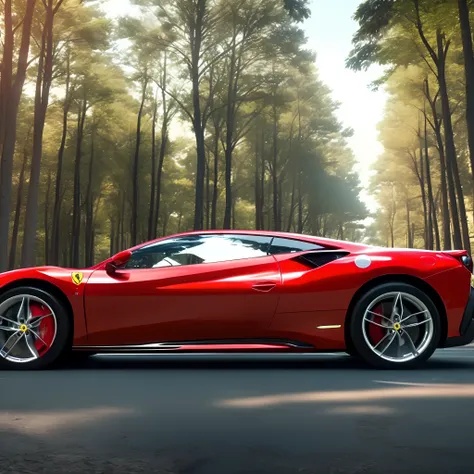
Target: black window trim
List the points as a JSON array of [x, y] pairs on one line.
[[321, 247]]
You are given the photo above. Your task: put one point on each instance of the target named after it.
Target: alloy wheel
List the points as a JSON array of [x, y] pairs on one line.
[[28, 328], [397, 326]]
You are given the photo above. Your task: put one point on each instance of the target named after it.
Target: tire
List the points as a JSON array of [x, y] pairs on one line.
[[407, 341], [46, 337]]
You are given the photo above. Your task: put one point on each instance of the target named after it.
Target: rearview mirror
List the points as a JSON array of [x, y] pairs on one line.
[[117, 261]]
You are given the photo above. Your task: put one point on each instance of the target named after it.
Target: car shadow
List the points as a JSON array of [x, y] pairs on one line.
[[250, 362]]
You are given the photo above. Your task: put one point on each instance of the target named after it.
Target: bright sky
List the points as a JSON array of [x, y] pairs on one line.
[[329, 32]]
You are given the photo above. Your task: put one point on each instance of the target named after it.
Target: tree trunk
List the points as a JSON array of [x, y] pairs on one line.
[[208, 191], [196, 33], [466, 36], [43, 86], [19, 199], [136, 158], [409, 239], [151, 212], [89, 240], [46, 221], [258, 203], [122, 222], [55, 239], [445, 186], [163, 147], [76, 212], [230, 121], [112, 237], [429, 185], [276, 221], [11, 94], [262, 183], [292, 203], [451, 159], [215, 184], [421, 179]]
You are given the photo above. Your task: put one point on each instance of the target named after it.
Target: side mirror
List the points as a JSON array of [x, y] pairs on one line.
[[117, 261]]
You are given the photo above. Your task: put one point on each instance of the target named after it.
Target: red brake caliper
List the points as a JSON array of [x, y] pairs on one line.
[[376, 333], [46, 327]]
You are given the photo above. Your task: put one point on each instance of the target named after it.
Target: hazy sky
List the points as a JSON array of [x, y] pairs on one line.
[[329, 32]]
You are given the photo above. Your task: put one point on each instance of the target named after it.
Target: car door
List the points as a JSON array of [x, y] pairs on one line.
[[200, 287]]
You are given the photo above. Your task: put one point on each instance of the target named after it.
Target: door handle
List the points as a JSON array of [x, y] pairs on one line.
[[264, 286]]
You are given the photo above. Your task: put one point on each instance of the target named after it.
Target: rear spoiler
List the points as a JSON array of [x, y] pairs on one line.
[[462, 256]]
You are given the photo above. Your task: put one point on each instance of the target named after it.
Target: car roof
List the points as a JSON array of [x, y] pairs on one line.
[[326, 242]]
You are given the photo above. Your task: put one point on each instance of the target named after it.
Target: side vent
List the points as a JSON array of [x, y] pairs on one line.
[[319, 258]]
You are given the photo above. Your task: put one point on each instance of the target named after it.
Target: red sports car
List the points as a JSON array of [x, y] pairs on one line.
[[235, 291]]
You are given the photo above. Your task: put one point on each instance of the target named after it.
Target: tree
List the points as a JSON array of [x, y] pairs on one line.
[[423, 28], [43, 87], [11, 89]]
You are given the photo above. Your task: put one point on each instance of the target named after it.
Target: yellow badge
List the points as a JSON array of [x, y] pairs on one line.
[[397, 326], [77, 277], [23, 328]]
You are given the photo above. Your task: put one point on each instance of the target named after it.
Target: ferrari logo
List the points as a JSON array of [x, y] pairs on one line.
[[77, 277], [23, 328], [397, 326]]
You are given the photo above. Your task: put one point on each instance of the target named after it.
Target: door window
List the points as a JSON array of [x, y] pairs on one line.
[[281, 245], [195, 249]]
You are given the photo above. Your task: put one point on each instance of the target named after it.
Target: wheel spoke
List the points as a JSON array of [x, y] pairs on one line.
[[3, 318], [11, 342], [35, 322], [31, 345], [8, 329], [410, 341], [38, 337], [376, 324], [24, 311], [397, 301], [414, 314], [381, 315], [400, 344], [390, 343], [381, 340], [419, 323]]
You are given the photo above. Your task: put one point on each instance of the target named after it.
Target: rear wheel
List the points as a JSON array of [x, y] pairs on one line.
[[395, 325], [34, 329]]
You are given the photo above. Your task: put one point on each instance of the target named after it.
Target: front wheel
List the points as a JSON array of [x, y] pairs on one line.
[[395, 325], [34, 329]]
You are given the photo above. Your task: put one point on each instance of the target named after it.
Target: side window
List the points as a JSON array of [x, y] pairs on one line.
[[196, 249], [280, 245]]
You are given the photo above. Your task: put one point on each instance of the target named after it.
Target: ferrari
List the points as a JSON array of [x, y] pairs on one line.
[[241, 291]]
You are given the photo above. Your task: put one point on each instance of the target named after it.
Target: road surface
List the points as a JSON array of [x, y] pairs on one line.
[[234, 414]]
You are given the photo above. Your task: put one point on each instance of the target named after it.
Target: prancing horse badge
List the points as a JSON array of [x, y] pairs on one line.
[[77, 277]]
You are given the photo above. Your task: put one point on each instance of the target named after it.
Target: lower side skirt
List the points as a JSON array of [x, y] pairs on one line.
[[204, 346]]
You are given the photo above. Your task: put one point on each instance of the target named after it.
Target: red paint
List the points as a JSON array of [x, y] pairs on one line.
[[263, 298], [46, 329]]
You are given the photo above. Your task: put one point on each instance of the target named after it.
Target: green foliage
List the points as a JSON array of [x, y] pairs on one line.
[[261, 103]]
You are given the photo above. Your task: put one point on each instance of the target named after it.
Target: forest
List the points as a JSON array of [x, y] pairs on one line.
[[424, 179], [186, 115], [211, 114]]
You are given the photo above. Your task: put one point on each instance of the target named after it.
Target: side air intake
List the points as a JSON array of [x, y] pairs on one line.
[[320, 257]]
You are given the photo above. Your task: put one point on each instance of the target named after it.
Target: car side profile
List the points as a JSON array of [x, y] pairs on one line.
[[241, 291]]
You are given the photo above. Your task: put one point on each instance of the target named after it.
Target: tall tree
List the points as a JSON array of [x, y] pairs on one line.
[[11, 89], [468, 54], [43, 87]]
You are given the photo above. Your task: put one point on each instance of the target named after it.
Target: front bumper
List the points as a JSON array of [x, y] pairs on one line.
[[466, 329]]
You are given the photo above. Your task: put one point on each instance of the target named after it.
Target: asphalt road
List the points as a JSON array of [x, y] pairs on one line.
[[239, 414]]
